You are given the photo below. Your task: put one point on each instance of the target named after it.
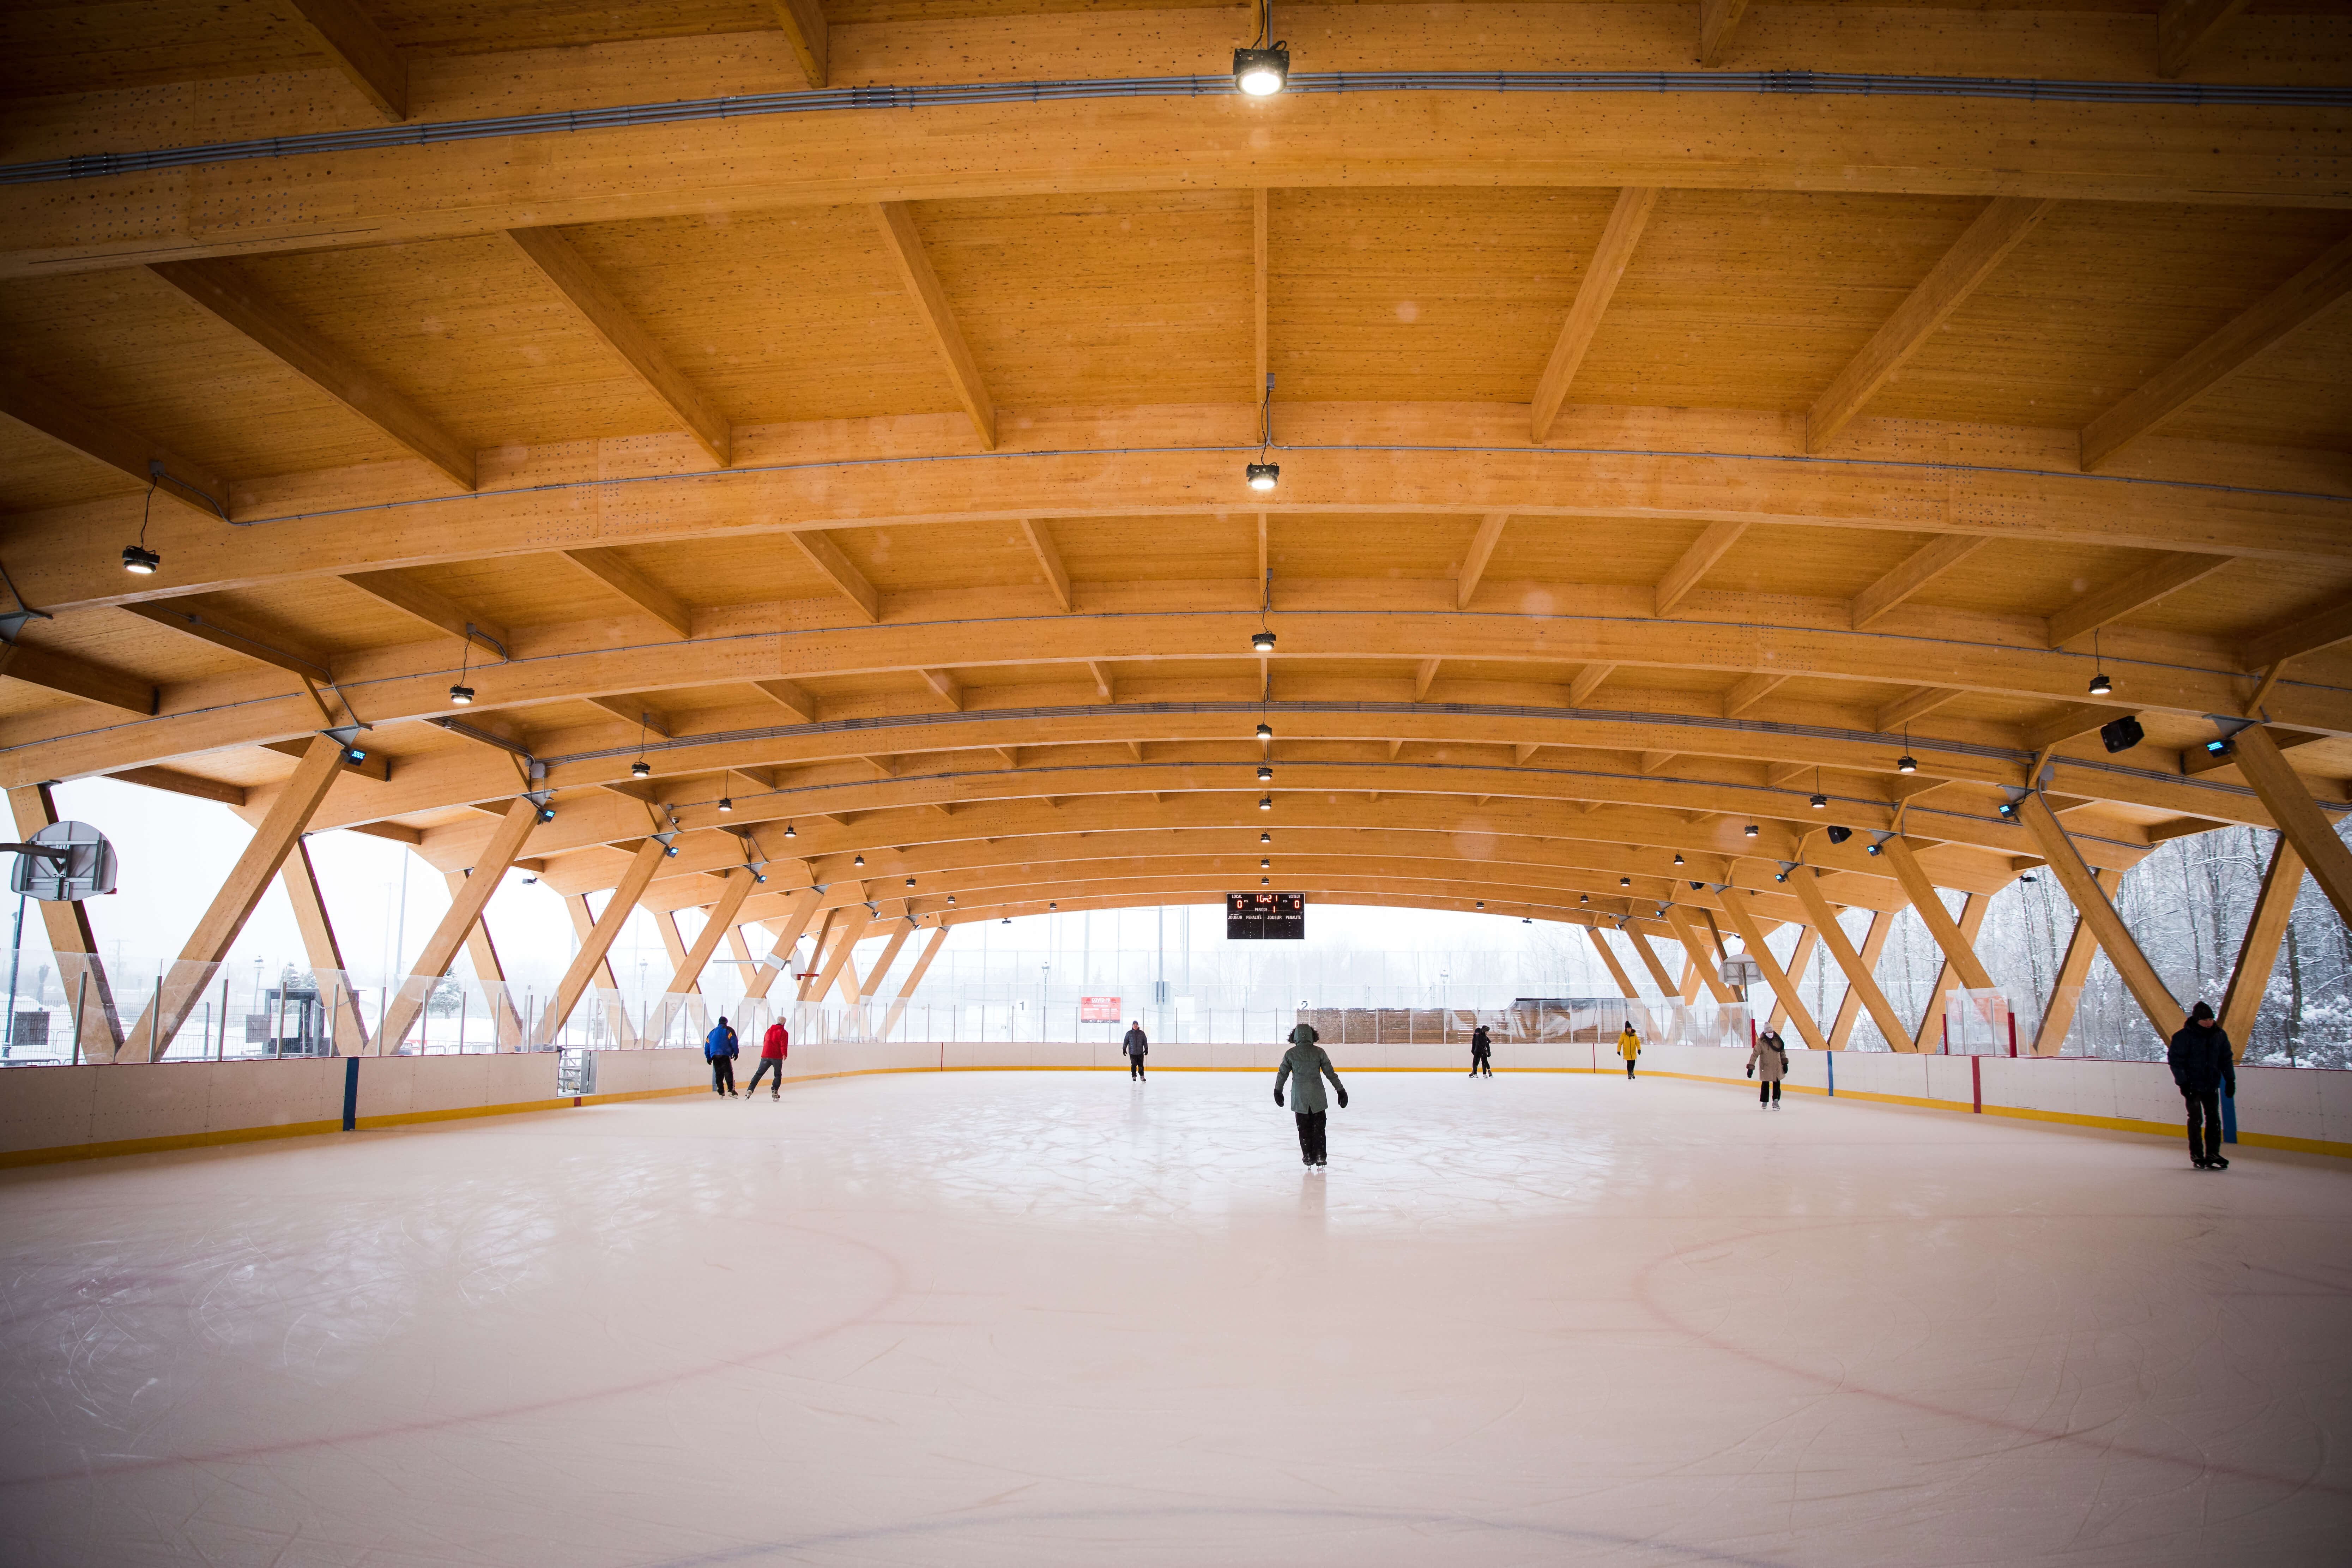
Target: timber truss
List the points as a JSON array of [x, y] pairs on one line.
[[1710, 519]]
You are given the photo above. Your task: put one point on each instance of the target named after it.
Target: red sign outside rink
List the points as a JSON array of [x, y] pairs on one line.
[[1099, 1010]]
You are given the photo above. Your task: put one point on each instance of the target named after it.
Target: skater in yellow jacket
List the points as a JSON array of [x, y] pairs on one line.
[[1629, 1045]]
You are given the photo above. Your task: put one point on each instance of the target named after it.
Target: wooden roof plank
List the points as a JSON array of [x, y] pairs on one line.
[[906, 246], [828, 558], [218, 287], [360, 50], [1593, 292], [608, 568], [805, 30], [94, 434], [2131, 593], [2310, 294]]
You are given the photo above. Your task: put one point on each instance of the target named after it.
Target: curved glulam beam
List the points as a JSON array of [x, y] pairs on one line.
[[1667, 465], [413, 681], [403, 195]]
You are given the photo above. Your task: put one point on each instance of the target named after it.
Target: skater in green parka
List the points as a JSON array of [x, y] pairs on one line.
[[1305, 1061]]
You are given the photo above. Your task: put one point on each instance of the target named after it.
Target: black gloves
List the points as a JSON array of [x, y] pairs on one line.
[[1343, 1100], [1752, 1069], [1278, 1096]]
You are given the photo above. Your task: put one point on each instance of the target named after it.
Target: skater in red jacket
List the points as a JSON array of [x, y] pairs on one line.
[[772, 1046]]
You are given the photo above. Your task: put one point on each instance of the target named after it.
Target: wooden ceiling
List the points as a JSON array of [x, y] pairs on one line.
[[1650, 461]]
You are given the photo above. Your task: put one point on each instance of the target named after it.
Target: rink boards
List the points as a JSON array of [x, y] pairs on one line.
[[54, 1113]]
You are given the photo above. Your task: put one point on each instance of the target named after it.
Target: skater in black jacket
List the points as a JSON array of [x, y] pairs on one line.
[[1482, 1053]]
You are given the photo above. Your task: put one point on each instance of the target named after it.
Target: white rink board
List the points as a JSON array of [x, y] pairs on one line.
[[1031, 1319]]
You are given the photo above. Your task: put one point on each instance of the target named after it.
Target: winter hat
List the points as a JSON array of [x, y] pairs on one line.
[[2201, 1010]]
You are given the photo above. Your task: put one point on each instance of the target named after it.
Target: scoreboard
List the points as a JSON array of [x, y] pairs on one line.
[[1263, 917]]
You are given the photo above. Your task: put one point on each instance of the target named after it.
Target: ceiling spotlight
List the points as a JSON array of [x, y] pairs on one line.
[[142, 562], [1678, 857], [353, 755], [725, 803], [1819, 803], [2217, 748], [1751, 830], [1261, 73], [1906, 763], [1779, 875], [1266, 773], [463, 695], [861, 858], [641, 769], [1264, 731], [788, 831], [2009, 811], [547, 813], [1265, 838], [2100, 685], [1262, 641], [761, 878], [1873, 848], [1265, 476], [1266, 802]]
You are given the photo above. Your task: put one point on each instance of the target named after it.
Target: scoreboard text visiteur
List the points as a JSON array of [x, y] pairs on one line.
[[1265, 916]]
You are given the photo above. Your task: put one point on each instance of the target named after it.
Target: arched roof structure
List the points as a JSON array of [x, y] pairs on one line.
[[869, 463]]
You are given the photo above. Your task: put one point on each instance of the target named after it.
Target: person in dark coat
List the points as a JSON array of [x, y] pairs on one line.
[[720, 1049], [2205, 1068], [1136, 1045], [1482, 1052], [1308, 1063]]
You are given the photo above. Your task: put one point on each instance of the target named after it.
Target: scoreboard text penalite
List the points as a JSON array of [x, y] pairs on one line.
[[1259, 916]]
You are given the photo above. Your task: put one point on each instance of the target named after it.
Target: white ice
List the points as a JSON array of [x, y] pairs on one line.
[[1044, 1318]]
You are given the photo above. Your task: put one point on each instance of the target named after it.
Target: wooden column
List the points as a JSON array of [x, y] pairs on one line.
[[616, 1012], [2140, 976], [1861, 984], [1960, 949], [1873, 943], [2274, 907], [325, 953], [232, 906], [1930, 1029], [599, 940], [922, 964], [490, 974], [673, 944], [690, 963], [2058, 1017], [440, 949], [1650, 961], [1751, 931], [1696, 945], [853, 926], [1616, 970], [2288, 800], [779, 952], [889, 955], [819, 949], [1802, 955], [71, 940]]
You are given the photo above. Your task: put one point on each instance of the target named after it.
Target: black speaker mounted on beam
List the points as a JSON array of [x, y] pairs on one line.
[[2122, 734]]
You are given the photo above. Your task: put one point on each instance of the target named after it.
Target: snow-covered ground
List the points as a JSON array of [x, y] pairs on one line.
[[1044, 1318]]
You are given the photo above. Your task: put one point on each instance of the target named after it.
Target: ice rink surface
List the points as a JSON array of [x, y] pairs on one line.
[[1047, 1318]]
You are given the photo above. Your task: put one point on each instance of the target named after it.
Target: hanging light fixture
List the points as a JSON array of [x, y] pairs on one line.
[[1265, 838], [1263, 476], [1584, 898], [1678, 857], [726, 804], [861, 858], [1266, 773], [1050, 906], [1264, 731], [1266, 882], [1750, 830], [137, 559], [641, 769], [1262, 70], [1819, 802], [789, 832], [1482, 903], [1266, 865], [910, 881], [1624, 881], [1266, 802], [459, 692], [2100, 685], [951, 900], [1906, 763]]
